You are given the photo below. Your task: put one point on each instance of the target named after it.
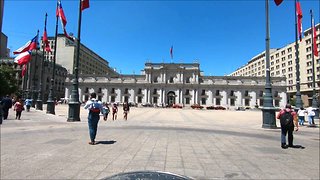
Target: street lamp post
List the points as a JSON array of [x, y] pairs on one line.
[[39, 100], [74, 104], [298, 93], [268, 110], [50, 101]]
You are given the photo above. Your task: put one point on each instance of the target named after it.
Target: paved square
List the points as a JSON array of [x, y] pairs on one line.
[[202, 144]]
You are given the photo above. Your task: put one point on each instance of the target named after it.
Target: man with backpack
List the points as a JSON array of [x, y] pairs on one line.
[[288, 119], [95, 107]]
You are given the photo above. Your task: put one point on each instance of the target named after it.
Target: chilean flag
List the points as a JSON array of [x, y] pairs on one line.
[[315, 47], [299, 16], [278, 2], [171, 52], [29, 46], [46, 41], [23, 58], [84, 4], [63, 18], [24, 70]]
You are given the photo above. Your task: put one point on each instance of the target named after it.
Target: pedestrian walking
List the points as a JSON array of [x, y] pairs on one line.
[[1, 111], [106, 111], [126, 110], [95, 107], [311, 114], [114, 111], [288, 119], [28, 103], [18, 107], [6, 105], [301, 114]]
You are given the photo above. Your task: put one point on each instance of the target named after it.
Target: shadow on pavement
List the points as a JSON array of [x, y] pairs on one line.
[[106, 142]]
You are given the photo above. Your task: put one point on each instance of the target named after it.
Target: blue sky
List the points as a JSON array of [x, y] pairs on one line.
[[221, 35]]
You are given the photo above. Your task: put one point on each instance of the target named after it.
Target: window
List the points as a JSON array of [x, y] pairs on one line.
[[276, 94], [113, 98], [155, 100], [290, 75], [246, 102], [246, 93], [276, 103], [112, 91], [187, 100], [155, 79], [309, 56], [290, 49], [231, 93], [126, 91], [231, 102], [283, 52], [261, 94], [188, 80], [139, 99], [155, 91], [171, 80], [139, 91], [289, 56], [203, 101], [187, 92], [218, 101], [217, 92], [203, 92]]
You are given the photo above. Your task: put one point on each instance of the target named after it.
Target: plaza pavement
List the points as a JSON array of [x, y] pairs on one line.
[[202, 144]]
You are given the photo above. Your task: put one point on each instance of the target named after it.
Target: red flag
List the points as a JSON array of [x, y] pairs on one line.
[[23, 58], [84, 4], [299, 16], [63, 18], [171, 52], [24, 70], [315, 47], [46, 41], [278, 2], [29, 46]]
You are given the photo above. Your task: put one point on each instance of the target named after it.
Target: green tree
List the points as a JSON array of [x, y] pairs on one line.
[[8, 81]]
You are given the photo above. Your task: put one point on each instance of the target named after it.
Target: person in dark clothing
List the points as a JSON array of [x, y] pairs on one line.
[[6, 105], [288, 119]]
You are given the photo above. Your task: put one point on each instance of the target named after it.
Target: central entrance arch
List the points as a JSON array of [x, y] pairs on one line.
[[171, 98]]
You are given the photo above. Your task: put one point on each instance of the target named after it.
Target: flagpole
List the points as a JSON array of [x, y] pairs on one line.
[[74, 104], [298, 93], [50, 101], [39, 100], [314, 97], [268, 110], [34, 74]]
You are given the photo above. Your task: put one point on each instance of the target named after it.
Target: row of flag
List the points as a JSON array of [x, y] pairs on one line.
[[24, 52], [299, 25]]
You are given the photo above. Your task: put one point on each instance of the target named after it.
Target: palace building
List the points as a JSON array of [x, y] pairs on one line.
[[165, 84]]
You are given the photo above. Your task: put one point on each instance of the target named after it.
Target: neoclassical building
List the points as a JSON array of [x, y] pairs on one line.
[[179, 83]]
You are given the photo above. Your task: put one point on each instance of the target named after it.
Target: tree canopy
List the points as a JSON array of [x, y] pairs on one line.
[[8, 81]]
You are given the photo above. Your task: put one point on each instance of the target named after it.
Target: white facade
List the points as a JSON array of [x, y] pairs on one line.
[[167, 84], [283, 64]]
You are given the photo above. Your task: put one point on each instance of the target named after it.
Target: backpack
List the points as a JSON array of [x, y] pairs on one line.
[[95, 107], [286, 119]]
